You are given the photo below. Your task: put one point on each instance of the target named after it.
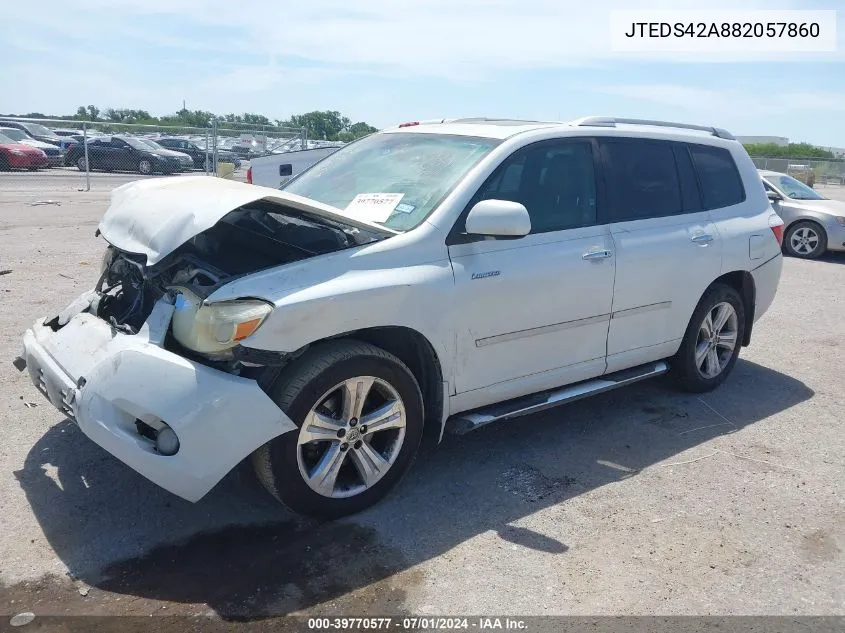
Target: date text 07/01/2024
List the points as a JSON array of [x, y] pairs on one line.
[[416, 623]]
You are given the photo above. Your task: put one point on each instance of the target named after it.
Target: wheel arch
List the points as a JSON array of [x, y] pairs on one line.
[[743, 282], [415, 351]]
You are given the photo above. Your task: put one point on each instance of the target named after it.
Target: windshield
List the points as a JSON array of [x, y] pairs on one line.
[[392, 179], [138, 143], [5, 140], [150, 144], [795, 189], [40, 130], [17, 135]]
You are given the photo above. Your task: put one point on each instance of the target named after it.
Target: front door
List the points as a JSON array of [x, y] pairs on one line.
[[534, 310]]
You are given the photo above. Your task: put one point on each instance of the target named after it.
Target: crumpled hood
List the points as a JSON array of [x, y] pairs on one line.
[[155, 217]]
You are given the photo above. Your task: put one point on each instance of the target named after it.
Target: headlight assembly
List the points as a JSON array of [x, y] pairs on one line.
[[217, 327]]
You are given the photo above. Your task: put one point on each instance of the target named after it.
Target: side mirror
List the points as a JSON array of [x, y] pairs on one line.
[[773, 196], [286, 169], [499, 218]]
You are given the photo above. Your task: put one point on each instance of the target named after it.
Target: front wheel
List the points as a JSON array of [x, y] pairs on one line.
[[145, 166], [359, 414], [806, 240], [712, 340]]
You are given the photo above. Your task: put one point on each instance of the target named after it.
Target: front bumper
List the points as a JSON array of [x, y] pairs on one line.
[[835, 235], [26, 160], [105, 380]]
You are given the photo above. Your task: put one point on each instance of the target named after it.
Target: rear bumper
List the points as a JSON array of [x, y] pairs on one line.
[[56, 161], [106, 380], [766, 279]]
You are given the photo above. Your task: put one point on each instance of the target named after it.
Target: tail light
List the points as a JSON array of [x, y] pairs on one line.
[[776, 224], [409, 124], [249, 175]]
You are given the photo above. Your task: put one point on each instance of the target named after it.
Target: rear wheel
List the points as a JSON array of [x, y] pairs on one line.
[[360, 416], [81, 163], [712, 340], [145, 166], [805, 239]]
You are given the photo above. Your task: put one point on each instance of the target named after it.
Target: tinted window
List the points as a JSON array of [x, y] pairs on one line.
[[689, 185], [555, 182], [642, 180], [721, 185]]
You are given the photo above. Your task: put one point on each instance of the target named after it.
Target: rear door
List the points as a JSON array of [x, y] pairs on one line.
[[667, 247], [122, 155], [98, 153], [533, 311]]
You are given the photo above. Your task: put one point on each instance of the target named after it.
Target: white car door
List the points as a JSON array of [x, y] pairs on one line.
[[534, 310], [668, 249]]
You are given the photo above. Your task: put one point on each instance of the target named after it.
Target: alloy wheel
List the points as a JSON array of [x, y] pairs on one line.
[[351, 437], [717, 340], [804, 240]]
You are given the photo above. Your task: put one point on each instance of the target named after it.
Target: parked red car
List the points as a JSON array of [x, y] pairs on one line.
[[14, 154]]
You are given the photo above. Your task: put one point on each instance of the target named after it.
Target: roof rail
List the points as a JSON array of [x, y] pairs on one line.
[[604, 121]]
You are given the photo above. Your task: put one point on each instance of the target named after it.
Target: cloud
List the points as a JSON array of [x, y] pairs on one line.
[[751, 104], [442, 38]]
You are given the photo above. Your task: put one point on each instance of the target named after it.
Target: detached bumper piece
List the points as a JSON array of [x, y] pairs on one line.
[[178, 423]]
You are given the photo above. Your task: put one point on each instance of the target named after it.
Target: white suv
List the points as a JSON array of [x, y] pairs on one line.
[[431, 277]]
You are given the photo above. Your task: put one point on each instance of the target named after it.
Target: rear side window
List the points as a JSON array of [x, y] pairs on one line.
[[718, 176], [642, 180]]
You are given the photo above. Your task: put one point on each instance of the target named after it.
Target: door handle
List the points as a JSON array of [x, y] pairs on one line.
[[702, 239], [597, 254]]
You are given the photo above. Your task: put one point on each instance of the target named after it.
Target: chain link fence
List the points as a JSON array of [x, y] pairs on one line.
[[816, 173], [56, 155]]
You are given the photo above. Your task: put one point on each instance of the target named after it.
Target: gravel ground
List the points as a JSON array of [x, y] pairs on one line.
[[641, 501]]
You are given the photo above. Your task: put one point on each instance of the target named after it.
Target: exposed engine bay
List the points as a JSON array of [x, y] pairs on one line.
[[256, 236]]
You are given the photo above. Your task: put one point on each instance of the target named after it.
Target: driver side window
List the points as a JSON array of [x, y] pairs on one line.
[[555, 181]]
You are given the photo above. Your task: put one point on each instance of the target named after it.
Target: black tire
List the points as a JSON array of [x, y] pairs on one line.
[[814, 228], [80, 163], [298, 389], [142, 169], [684, 368]]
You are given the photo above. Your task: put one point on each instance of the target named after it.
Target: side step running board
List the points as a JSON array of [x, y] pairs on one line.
[[471, 420]]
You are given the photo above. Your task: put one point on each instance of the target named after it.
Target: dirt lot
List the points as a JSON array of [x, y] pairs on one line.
[[642, 501]]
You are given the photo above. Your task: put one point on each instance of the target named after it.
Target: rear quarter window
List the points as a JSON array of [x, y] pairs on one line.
[[718, 177]]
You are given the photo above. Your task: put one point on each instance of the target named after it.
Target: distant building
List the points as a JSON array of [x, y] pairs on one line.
[[763, 140]]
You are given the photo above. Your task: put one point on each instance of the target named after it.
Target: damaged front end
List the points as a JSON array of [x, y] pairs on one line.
[[146, 366], [255, 237]]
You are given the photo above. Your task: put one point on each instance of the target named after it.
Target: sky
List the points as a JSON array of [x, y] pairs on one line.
[[389, 61]]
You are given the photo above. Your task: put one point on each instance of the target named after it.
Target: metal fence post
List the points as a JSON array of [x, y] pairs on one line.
[[87, 164], [206, 163], [214, 141]]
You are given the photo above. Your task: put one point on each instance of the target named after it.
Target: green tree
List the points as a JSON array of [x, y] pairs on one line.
[[323, 125], [791, 150]]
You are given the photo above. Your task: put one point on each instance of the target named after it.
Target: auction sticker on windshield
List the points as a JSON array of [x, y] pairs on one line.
[[373, 207]]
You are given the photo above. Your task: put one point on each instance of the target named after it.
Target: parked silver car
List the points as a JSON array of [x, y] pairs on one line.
[[813, 224]]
